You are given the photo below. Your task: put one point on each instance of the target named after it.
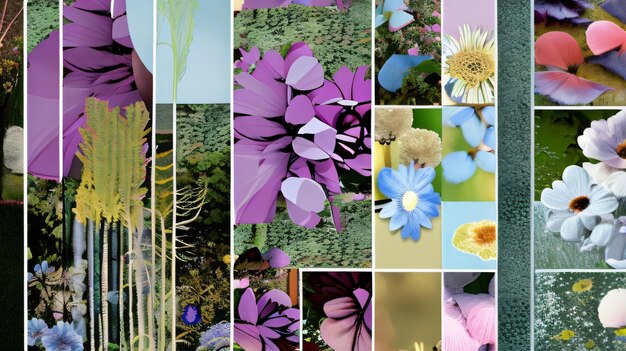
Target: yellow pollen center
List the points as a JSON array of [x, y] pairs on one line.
[[621, 150], [471, 66], [484, 233], [409, 201]]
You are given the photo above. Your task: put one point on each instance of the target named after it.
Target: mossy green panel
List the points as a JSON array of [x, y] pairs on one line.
[[336, 38], [43, 18], [514, 154]]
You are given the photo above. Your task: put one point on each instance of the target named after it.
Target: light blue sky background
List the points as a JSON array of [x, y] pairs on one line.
[[207, 77], [139, 14], [455, 214]]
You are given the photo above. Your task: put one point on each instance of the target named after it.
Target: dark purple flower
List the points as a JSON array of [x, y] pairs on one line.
[[346, 300], [561, 9], [191, 315], [349, 322], [269, 324]]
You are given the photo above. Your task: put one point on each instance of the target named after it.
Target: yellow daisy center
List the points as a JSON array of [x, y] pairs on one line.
[[410, 201], [471, 66], [484, 233], [621, 150]]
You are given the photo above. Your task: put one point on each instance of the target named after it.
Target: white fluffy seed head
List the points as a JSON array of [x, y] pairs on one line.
[[392, 122], [13, 148], [421, 146]]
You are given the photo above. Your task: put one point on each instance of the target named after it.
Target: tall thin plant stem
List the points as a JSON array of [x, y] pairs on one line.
[[90, 258], [6, 31]]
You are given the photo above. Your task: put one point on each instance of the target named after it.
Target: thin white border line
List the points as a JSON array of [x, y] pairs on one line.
[[573, 108], [372, 269], [25, 172], [590, 271], [153, 147], [232, 175]]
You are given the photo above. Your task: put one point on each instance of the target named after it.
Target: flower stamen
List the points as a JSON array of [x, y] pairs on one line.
[[621, 150], [471, 66], [485, 233], [579, 204]]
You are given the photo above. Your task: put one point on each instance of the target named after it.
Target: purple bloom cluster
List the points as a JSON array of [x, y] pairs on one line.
[[294, 131], [266, 324]]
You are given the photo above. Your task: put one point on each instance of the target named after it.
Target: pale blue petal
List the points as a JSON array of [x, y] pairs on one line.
[[423, 219], [412, 229], [458, 167], [463, 115], [473, 131], [490, 137], [489, 114], [389, 210], [398, 221], [423, 178], [486, 161]]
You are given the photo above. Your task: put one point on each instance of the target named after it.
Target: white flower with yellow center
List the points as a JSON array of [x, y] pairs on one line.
[[470, 66]]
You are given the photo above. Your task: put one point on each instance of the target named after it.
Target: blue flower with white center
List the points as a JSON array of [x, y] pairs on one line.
[[413, 199], [62, 337], [36, 329]]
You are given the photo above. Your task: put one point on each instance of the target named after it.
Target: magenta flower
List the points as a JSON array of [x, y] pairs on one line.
[[414, 51], [560, 53], [248, 59], [268, 324], [293, 130]]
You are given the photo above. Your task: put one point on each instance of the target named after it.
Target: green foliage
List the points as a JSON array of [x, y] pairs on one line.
[[337, 38], [556, 147], [322, 246], [114, 164], [43, 17], [415, 90]]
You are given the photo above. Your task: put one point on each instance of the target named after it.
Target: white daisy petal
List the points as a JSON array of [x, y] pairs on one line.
[[572, 229]]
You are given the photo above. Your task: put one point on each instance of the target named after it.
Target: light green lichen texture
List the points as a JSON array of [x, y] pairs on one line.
[[43, 18], [337, 38]]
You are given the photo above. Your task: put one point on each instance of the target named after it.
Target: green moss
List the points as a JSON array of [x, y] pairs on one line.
[[322, 246], [43, 18], [337, 38]]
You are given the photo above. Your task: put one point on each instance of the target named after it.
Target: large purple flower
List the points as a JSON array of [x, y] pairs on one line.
[[288, 144], [269, 324], [99, 61]]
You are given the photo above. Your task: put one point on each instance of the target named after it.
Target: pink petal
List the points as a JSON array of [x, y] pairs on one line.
[[306, 73], [456, 337], [603, 36], [481, 323], [558, 49], [566, 88]]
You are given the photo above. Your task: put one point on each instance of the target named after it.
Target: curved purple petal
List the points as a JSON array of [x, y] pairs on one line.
[[277, 258], [247, 307], [566, 88]]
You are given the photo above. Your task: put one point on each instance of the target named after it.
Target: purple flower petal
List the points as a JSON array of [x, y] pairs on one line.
[[277, 258], [300, 110], [566, 88], [306, 73], [248, 337], [247, 307]]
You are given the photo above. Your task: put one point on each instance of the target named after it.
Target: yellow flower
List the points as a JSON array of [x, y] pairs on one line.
[[582, 285], [620, 332], [477, 238], [565, 335], [226, 259]]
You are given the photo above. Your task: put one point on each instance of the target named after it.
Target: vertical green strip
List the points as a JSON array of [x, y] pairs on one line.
[[514, 172]]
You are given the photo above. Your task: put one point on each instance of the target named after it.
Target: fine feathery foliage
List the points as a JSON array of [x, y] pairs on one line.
[[179, 15], [113, 157]]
